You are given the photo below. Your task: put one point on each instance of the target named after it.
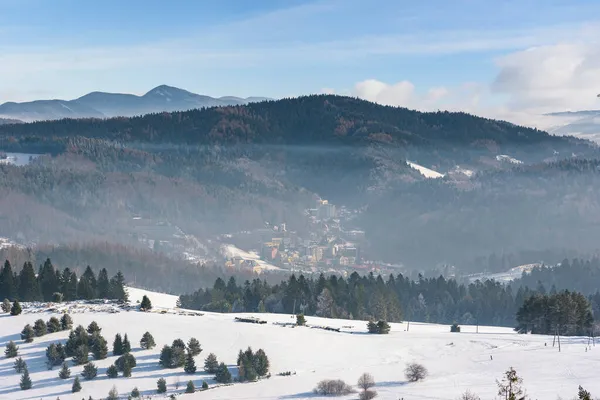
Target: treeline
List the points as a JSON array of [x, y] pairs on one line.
[[50, 284]]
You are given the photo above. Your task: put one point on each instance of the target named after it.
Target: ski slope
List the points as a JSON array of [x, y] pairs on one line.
[[456, 361]]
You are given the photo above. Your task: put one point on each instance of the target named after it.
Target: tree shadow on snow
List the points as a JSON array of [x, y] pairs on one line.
[[304, 395], [390, 384]]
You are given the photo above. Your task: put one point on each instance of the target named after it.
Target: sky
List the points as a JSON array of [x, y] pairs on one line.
[[499, 58]]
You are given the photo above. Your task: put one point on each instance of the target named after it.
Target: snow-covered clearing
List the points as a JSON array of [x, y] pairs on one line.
[[508, 159], [231, 251], [426, 172], [456, 361]]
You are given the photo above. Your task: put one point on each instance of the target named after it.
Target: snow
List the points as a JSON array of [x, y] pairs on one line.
[[456, 361], [505, 277], [509, 159], [159, 300], [231, 251], [426, 172]]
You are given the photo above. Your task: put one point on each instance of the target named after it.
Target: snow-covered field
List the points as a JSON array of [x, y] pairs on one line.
[[456, 361], [426, 172]]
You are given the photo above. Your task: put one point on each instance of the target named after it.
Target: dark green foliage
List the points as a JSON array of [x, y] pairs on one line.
[[252, 365], [190, 388], [8, 283], [194, 347], [204, 385], [48, 281], [66, 322], [166, 355], [55, 355], [99, 346], [222, 375], [126, 359], [112, 371], [178, 343], [135, 393], [27, 334], [211, 364], [300, 320], [113, 394], [19, 365], [39, 328], [261, 363], [16, 308], [12, 350], [146, 304], [68, 284], [177, 357], [454, 328], [86, 287], [118, 345], [117, 287], [380, 327], [53, 325], [190, 365], [147, 341], [77, 338], [6, 306], [161, 386], [28, 284], [89, 371], [76, 385], [65, 372], [510, 386], [103, 284], [58, 297], [25, 383], [583, 394], [126, 345], [93, 327], [127, 367], [81, 355]]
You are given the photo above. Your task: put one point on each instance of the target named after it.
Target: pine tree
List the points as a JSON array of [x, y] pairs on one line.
[[190, 388], [300, 320], [126, 345], [76, 385], [6, 306], [194, 347], [583, 394], [166, 355], [118, 345], [146, 304], [66, 322], [127, 367], [53, 325], [112, 371], [25, 380], [81, 355], [55, 356], [86, 287], [204, 385], [28, 284], [48, 281], [16, 308], [103, 284], [99, 347], [19, 365], [161, 386], [383, 328], [510, 387], [89, 371], [211, 364], [65, 372], [261, 363], [147, 341], [39, 328], [8, 286], [126, 358], [11, 350], [190, 365], [68, 282], [93, 328], [135, 393], [117, 287], [223, 375], [325, 304], [27, 334], [113, 394]]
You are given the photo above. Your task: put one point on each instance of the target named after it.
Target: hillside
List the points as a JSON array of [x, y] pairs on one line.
[[456, 361]]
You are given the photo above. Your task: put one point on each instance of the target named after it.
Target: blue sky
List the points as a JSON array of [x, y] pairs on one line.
[[466, 54]]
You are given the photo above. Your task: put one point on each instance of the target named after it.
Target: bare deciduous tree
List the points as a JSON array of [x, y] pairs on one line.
[[415, 372]]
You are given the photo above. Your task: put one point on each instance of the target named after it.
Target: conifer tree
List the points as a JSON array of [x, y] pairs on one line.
[[211, 364], [25, 380], [204, 385], [27, 334], [112, 371], [161, 386], [127, 367], [194, 347], [147, 341], [86, 287], [103, 284], [12, 350], [68, 282], [66, 322], [19, 365], [190, 388], [510, 386], [261, 363], [166, 355], [126, 345], [146, 304], [48, 281], [118, 345], [6, 306], [28, 285], [583, 394], [39, 328], [126, 358], [55, 356], [99, 347], [16, 308], [190, 365], [300, 320], [223, 375], [135, 393], [76, 385], [89, 371], [53, 325], [113, 394], [117, 287], [65, 372], [93, 328], [8, 286], [81, 355]]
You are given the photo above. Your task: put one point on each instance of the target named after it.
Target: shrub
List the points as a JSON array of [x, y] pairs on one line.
[[415, 372], [53, 325], [211, 364], [194, 347], [118, 345], [16, 308], [6, 306], [19, 365], [39, 328], [204, 385], [89, 371], [27, 334], [367, 395], [300, 320], [66, 322], [468, 395], [455, 328], [333, 387], [76, 385], [146, 304], [112, 371], [190, 388], [12, 350], [222, 374], [161, 386], [147, 341], [135, 393]]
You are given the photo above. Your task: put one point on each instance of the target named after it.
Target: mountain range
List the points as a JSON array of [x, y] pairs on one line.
[[105, 105], [584, 124]]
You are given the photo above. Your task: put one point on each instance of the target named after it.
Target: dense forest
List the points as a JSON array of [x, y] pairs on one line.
[[436, 300]]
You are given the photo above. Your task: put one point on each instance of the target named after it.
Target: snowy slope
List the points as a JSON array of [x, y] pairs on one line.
[[426, 172], [456, 361]]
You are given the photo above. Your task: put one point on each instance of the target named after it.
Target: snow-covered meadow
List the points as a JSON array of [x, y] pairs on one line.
[[456, 361]]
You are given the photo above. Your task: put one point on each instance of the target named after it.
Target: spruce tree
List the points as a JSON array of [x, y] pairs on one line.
[[194, 347], [86, 287], [146, 304], [112, 371], [178, 343], [53, 325], [89, 371], [135, 393], [6, 306], [103, 284], [126, 358], [118, 345], [68, 281], [19, 365], [261, 363], [113, 394], [165, 357], [177, 357], [93, 328], [126, 345], [190, 388], [11, 350], [76, 385], [39, 328], [8, 286], [65, 372], [27, 334], [81, 355], [161, 386], [66, 322], [16, 308], [190, 365], [25, 380], [127, 367], [211, 364], [54, 355], [28, 284], [48, 281], [117, 287], [583, 394], [300, 320], [147, 341], [99, 347], [223, 375], [204, 385]]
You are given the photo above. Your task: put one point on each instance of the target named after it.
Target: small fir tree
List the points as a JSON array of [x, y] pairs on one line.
[[99, 347], [19, 365], [161, 386], [178, 343], [54, 355], [125, 359], [211, 364], [190, 364], [53, 325], [118, 345], [190, 388], [66, 322], [146, 304], [127, 367], [6, 306], [583, 394], [27, 334], [39, 328], [135, 393], [126, 345], [57, 297], [177, 357], [112, 371], [65, 372], [81, 355], [16, 308], [165, 357], [204, 385], [113, 394], [300, 320], [510, 386], [25, 380], [223, 375], [76, 385], [147, 341], [12, 350], [93, 327], [89, 371], [261, 363], [194, 347]]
